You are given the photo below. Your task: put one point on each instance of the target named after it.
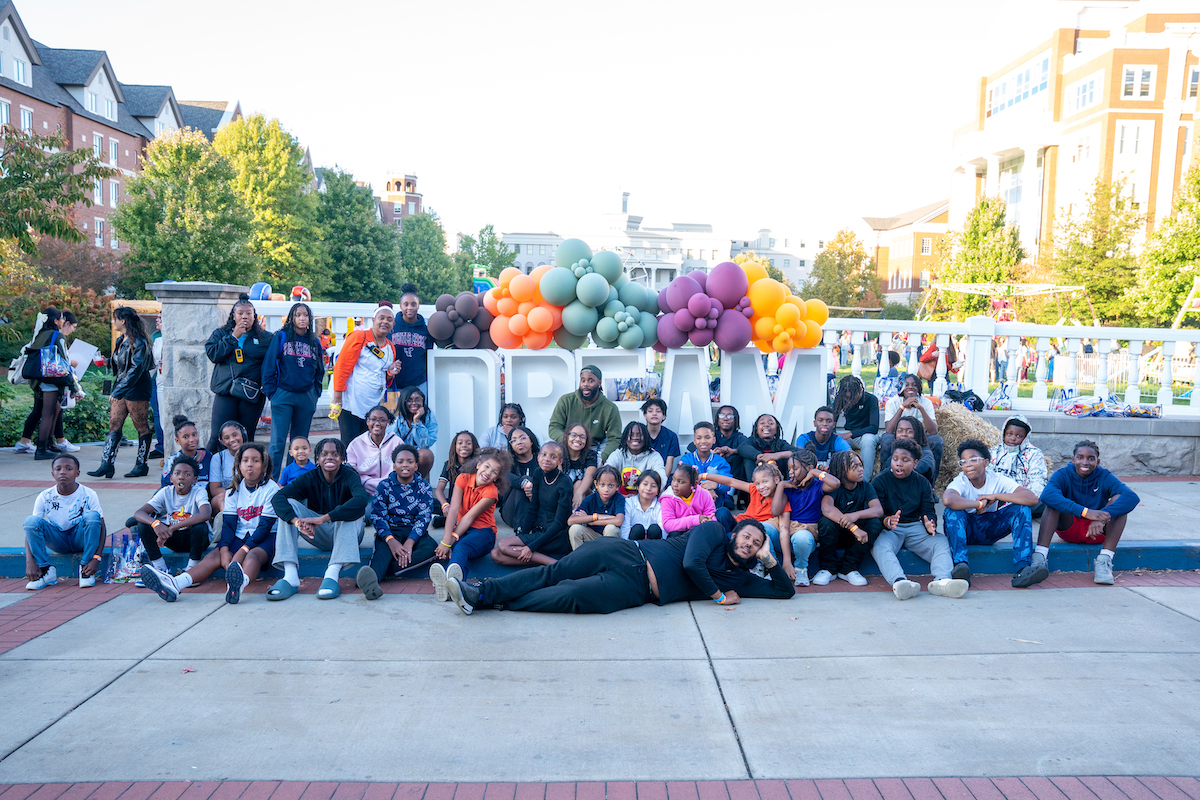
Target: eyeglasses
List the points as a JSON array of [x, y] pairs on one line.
[[577, 436], [962, 462], [724, 416]]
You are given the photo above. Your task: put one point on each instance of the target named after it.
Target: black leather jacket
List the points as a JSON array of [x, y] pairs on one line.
[[130, 363]]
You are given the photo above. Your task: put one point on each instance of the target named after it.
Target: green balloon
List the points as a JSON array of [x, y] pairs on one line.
[[607, 329], [611, 309], [648, 324], [592, 290], [558, 286], [632, 338], [651, 304], [569, 341], [622, 326], [608, 264], [579, 319], [612, 294], [621, 281], [633, 311], [633, 294], [571, 251], [601, 343]]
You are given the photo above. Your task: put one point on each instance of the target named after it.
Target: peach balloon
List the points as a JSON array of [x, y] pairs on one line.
[[518, 324], [490, 302], [507, 275], [818, 312], [538, 272], [536, 341], [506, 306], [766, 295], [540, 319], [556, 313], [502, 336], [522, 288]]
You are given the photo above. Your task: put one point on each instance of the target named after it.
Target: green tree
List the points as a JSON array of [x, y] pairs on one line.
[[489, 250], [424, 262], [364, 254], [41, 182], [276, 187], [182, 219], [1171, 258], [843, 274], [1092, 248], [898, 311], [986, 250]]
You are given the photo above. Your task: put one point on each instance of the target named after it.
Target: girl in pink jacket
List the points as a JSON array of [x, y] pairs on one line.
[[685, 508]]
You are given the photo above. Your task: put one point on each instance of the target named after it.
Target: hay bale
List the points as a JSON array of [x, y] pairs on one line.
[[956, 423]]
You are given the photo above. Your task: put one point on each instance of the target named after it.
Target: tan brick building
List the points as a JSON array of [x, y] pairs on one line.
[[905, 249]]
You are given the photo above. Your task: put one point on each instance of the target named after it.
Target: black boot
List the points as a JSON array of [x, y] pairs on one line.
[[143, 452], [44, 453], [106, 468]]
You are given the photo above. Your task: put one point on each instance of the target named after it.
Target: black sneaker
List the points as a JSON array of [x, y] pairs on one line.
[[233, 580], [465, 595], [961, 572], [1028, 576]]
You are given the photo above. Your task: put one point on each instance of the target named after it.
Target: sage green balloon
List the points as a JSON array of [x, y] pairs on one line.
[[608, 264], [648, 323], [611, 308], [632, 338], [592, 290], [651, 304], [558, 286], [606, 345], [607, 329], [633, 294], [579, 319], [621, 281], [571, 251], [612, 294], [569, 341]]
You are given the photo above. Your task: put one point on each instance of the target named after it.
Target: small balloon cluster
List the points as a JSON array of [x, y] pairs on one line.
[[703, 308], [598, 299], [781, 320], [461, 321], [522, 315]]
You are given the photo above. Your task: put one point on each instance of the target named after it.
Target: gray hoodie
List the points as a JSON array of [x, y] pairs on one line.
[[1025, 463]]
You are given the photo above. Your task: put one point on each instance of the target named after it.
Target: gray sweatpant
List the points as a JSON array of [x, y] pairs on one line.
[[340, 539], [913, 537]]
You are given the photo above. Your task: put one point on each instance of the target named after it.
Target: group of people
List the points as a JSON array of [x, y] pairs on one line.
[[604, 515]]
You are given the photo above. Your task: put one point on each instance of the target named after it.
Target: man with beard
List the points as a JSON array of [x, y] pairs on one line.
[[609, 574], [590, 407]]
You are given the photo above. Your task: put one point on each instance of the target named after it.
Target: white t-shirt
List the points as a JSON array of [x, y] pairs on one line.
[[221, 468], [249, 505], [893, 405], [66, 511], [993, 483], [169, 504]]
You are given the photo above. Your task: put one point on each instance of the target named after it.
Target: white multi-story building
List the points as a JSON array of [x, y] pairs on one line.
[[792, 255]]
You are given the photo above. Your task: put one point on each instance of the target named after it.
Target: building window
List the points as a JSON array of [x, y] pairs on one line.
[[1081, 95], [110, 109], [1021, 84], [18, 70], [787, 262], [714, 255], [771, 244], [91, 102], [4, 113], [112, 152], [785, 243], [113, 190], [412, 208], [99, 233], [541, 250], [820, 244], [98, 192], [801, 263], [772, 261], [1138, 83], [97, 145], [26, 119], [926, 245], [1194, 82], [689, 255], [397, 208], [801, 244]]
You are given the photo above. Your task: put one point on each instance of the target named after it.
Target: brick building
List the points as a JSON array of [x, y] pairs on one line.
[[905, 249], [401, 199], [45, 89]]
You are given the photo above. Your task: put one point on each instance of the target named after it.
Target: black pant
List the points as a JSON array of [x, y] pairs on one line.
[[641, 532], [514, 505], [602, 576], [232, 409], [35, 415], [384, 563], [350, 426], [831, 537], [194, 540]]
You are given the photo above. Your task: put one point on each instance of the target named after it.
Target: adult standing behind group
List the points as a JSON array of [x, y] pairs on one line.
[[66, 327], [131, 363], [238, 349], [589, 406], [48, 390], [366, 363], [411, 341], [293, 376]]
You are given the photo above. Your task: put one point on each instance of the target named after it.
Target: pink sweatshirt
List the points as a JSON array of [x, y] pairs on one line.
[[372, 463], [679, 516]]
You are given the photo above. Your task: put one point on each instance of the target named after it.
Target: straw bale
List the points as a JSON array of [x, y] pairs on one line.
[[956, 423]]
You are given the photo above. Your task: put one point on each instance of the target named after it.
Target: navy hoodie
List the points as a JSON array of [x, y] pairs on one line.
[[1068, 493], [411, 342], [293, 364]]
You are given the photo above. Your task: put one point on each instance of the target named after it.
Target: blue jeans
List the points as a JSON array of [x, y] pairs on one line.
[[291, 416], [1013, 520], [725, 517], [802, 543], [473, 544], [158, 440], [83, 538]]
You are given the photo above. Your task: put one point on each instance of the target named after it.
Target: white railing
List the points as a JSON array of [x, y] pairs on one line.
[[1109, 371]]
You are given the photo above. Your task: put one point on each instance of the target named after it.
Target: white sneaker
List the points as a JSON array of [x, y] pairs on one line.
[[801, 576], [1104, 572], [854, 578], [953, 588], [905, 589], [88, 581], [437, 576], [67, 447], [160, 583], [24, 447], [822, 578], [49, 579]]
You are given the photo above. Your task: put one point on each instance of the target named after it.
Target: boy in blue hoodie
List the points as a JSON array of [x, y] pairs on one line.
[[1085, 504]]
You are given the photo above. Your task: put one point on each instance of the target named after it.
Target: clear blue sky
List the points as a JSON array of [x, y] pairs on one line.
[[797, 115]]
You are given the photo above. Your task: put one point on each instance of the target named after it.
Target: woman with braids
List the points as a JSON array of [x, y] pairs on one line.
[[851, 519], [46, 391], [293, 376], [862, 418], [238, 349], [131, 363]]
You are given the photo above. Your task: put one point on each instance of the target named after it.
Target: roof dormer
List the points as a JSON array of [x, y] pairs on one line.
[[153, 106], [18, 55]]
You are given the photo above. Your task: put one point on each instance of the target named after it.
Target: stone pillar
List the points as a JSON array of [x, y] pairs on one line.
[[191, 311], [993, 175]]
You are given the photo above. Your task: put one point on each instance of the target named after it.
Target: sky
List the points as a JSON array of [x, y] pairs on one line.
[[796, 115]]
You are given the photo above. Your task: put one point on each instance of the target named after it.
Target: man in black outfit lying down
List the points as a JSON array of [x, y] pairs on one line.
[[608, 574]]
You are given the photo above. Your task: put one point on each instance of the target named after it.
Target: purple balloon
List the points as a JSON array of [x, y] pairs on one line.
[[700, 278], [684, 320], [662, 302], [669, 334], [699, 305], [747, 312], [729, 283], [658, 347], [734, 331], [715, 311], [701, 322], [680, 291], [701, 337]]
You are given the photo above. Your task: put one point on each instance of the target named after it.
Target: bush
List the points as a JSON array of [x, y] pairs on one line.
[[95, 318], [86, 422]]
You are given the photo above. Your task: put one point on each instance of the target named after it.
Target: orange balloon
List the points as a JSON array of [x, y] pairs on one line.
[[536, 341], [818, 312], [754, 271], [766, 295], [521, 287], [811, 337], [540, 319], [490, 303], [518, 324], [787, 315], [506, 306], [761, 345], [507, 275], [502, 336], [496, 292], [556, 313], [765, 328], [526, 307], [538, 272]]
